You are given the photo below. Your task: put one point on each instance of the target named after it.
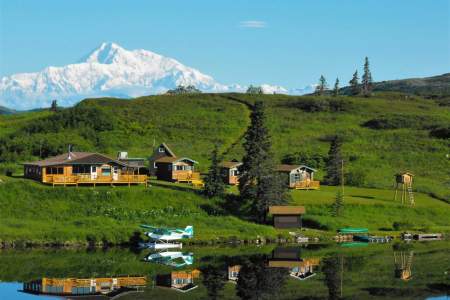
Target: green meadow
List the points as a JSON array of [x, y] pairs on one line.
[[384, 134]]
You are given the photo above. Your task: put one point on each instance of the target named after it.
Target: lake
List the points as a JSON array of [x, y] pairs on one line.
[[314, 271]]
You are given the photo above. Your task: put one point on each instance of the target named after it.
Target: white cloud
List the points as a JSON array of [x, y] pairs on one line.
[[253, 24]]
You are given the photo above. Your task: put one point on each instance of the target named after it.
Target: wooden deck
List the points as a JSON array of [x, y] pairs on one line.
[[87, 179], [188, 177], [306, 185]]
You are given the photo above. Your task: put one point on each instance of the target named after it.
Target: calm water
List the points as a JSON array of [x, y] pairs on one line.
[[390, 271]]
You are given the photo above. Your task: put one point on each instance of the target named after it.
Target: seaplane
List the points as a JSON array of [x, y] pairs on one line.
[[164, 238], [171, 258]]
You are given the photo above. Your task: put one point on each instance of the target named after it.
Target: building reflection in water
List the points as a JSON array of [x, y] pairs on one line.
[[289, 257], [233, 273], [182, 281], [107, 286], [403, 263]]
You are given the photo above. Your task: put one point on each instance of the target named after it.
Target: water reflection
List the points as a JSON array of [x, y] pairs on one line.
[[108, 286], [267, 272], [171, 258]]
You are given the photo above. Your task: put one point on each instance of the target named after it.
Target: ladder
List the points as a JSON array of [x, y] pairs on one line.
[[411, 195]]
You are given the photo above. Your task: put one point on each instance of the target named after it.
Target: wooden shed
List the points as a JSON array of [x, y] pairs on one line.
[[299, 176], [287, 216], [289, 257], [404, 177], [230, 172]]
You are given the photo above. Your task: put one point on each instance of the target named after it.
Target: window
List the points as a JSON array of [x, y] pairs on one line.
[[154, 165], [55, 170], [106, 171], [81, 169], [161, 150], [234, 172]]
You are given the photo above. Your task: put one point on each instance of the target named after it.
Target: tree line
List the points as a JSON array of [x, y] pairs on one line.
[[356, 88]]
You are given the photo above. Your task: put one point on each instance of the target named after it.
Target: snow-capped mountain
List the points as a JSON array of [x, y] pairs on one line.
[[109, 70]]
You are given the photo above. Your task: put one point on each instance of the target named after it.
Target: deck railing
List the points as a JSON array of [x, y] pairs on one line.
[[306, 184], [186, 176], [86, 178]]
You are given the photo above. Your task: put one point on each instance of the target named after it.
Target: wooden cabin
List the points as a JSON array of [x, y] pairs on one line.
[[161, 151], [230, 172], [74, 168], [169, 167], [233, 273], [299, 176], [182, 281], [287, 216], [84, 287], [289, 257]]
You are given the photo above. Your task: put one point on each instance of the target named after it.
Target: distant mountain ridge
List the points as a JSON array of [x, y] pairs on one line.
[[109, 71], [6, 111], [428, 86]]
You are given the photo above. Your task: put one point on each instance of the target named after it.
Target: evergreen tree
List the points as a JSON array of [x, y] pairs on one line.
[[254, 90], [259, 185], [336, 88], [334, 162], [54, 106], [214, 185], [332, 269], [366, 79], [214, 279], [338, 204], [258, 282], [322, 86], [354, 84]]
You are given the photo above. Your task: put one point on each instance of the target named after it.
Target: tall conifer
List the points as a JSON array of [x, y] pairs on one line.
[[322, 86], [336, 88], [334, 162], [354, 84], [214, 185], [366, 79], [259, 184]]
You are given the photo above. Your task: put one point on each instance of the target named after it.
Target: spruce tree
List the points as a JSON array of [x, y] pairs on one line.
[[354, 84], [259, 184], [54, 106], [214, 185], [334, 162], [338, 204], [366, 79], [336, 88], [322, 86]]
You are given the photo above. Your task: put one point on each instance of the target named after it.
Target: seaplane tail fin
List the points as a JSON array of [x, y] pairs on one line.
[[189, 231]]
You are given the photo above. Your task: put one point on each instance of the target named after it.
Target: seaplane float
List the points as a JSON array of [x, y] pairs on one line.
[[166, 238]]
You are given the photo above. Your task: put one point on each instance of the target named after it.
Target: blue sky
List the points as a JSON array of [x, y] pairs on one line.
[[289, 43]]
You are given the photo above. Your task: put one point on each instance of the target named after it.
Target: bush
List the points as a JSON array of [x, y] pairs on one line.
[[441, 133], [322, 105], [356, 178], [402, 121], [310, 158], [402, 226]]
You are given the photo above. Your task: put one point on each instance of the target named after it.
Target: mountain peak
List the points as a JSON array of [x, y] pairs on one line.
[[106, 53]]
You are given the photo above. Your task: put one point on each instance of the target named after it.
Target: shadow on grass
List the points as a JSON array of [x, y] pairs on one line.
[[361, 196], [176, 187]]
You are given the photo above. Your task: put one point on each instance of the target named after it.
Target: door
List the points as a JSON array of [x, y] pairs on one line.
[[115, 173], [93, 172]]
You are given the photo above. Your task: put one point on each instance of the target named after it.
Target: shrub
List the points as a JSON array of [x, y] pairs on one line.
[[441, 133], [356, 178], [402, 121], [402, 225], [322, 105]]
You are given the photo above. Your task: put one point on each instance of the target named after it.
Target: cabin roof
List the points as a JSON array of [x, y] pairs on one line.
[[290, 168], [171, 153], [76, 158], [286, 210], [230, 164], [404, 173], [169, 159]]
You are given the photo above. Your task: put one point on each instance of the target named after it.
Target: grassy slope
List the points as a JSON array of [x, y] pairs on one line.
[[194, 123]]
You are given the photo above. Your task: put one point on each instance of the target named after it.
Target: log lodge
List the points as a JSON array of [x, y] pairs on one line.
[[76, 168]]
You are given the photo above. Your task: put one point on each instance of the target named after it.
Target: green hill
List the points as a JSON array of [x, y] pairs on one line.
[[6, 111], [383, 134], [435, 86]]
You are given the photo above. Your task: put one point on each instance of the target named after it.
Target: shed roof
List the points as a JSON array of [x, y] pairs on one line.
[[230, 164], [404, 173], [75, 159], [290, 168], [286, 210]]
